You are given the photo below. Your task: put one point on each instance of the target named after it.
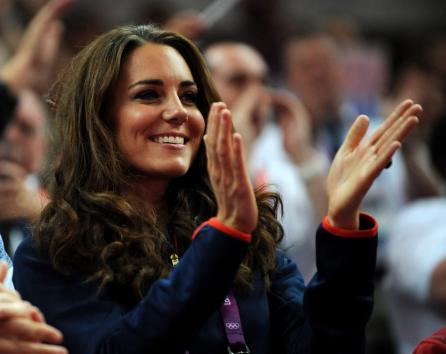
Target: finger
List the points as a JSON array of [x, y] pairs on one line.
[[399, 134], [396, 113], [15, 309], [14, 346], [26, 329], [210, 138], [414, 110], [224, 146], [393, 132], [36, 315], [402, 111], [39, 24], [51, 43], [59, 7], [8, 295], [52, 10], [212, 129], [240, 168], [355, 134], [382, 159]]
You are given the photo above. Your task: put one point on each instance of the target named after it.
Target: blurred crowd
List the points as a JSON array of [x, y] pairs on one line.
[[293, 91]]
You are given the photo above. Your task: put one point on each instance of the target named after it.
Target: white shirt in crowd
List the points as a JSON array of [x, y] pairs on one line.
[[416, 245]]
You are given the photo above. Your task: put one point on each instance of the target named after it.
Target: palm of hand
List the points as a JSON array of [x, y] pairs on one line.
[[237, 207], [358, 163]]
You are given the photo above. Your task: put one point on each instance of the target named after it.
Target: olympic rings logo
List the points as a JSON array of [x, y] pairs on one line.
[[232, 325]]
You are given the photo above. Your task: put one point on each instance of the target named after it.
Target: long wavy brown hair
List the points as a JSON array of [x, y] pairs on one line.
[[89, 226]]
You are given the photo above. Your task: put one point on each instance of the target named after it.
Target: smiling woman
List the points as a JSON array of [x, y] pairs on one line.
[[145, 154], [158, 125]]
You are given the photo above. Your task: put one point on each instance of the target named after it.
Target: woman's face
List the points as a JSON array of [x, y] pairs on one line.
[[157, 123]]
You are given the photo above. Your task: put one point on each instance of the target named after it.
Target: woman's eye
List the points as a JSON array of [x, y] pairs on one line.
[[189, 97], [147, 95]]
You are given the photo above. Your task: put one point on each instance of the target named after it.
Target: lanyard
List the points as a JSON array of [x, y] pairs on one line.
[[233, 326]]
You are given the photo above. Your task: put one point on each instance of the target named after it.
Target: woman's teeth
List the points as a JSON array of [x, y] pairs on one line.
[[169, 140]]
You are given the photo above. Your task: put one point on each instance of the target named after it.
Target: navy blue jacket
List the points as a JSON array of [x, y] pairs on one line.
[[181, 312]]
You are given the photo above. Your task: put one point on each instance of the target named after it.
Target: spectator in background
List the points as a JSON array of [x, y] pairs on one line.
[[22, 151], [424, 85], [416, 258], [23, 140], [435, 56], [313, 70], [277, 139]]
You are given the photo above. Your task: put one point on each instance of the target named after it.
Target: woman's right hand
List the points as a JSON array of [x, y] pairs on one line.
[[237, 207]]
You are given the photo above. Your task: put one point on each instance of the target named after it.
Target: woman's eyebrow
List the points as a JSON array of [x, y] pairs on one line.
[[156, 82], [187, 83]]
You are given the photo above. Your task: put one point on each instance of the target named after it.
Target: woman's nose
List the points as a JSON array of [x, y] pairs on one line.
[[175, 112]]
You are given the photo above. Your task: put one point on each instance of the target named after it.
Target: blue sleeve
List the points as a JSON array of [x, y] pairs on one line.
[[165, 321], [339, 299], [330, 315]]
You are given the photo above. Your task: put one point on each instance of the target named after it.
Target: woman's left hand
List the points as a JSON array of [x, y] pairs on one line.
[[358, 163]]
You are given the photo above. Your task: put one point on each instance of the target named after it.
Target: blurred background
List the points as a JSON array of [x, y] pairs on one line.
[[402, 27]]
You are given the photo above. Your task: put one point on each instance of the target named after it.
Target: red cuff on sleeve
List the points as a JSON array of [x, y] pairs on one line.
[[225, 229], [365, 220]]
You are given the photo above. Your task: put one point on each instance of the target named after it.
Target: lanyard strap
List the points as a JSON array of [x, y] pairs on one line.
[[233, 325]]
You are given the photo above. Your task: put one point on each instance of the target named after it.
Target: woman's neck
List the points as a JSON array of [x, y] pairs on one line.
[[148, 193]]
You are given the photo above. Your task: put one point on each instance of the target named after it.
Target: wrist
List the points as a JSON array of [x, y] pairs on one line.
[[233, 224], [345, 224], [368, 227], [229, 230], [348, 220], [235, 230]]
